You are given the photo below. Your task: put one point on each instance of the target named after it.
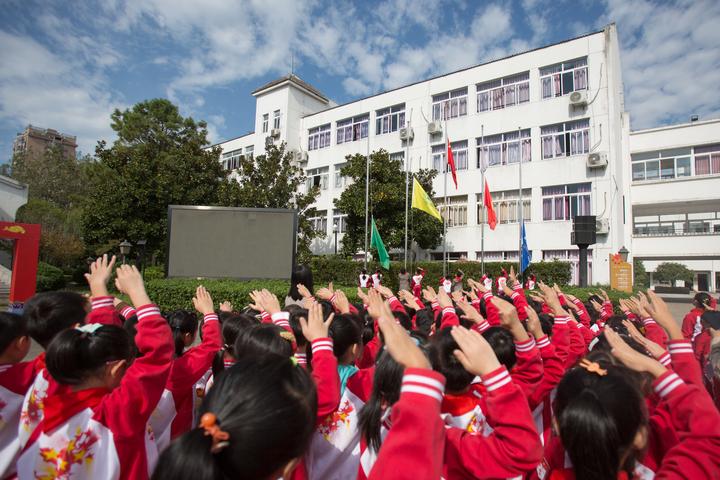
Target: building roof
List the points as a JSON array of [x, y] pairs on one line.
[[292, 78], [675, 125], [13, 183]]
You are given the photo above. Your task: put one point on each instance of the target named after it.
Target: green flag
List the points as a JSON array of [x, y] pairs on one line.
[[376, 241]]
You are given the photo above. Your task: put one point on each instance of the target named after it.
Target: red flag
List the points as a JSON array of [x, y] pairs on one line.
[[487, 199], [451, 162]]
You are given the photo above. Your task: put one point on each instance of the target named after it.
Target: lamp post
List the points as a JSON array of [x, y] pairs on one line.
[[141, 254], [335, 231], [125, 247], [623, 252]]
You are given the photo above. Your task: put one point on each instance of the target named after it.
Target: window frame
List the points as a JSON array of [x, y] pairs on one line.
[[502, 84], [568, 200], [567, 132], [505, 205], [319, 137], [276, 120], [458, 148], [562, 71], [502, 142], [455, 212], [390, 119], [265, 122], [356, 127], [443, 103]]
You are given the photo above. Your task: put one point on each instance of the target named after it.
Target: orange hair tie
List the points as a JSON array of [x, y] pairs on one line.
[[593, 367], [208, 422]]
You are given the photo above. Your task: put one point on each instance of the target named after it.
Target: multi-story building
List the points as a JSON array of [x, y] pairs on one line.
[[556, 111], [34, 141], [675, 195]]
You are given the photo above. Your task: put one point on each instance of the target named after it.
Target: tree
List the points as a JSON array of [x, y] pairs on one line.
[[387, 204], [669, 272], [640, 278], [273, 180], [160, 158]]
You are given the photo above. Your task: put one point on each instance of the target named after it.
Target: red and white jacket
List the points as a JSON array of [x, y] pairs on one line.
[[15, 380], [99, 433]]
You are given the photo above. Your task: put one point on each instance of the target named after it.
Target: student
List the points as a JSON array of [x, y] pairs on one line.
[[16, 377], [364, 279], [531, 282], [97, 427], [417, 282], [403, 280], [446, 284], [232, 325], [457, 283], [255, 423], [502, 280], [377, 278], [692, 324], [301, 275]]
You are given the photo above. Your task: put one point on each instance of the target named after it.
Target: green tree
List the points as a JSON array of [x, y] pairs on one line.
[[387, 204], [273, 180], [160, 158], [669, 272], [640, 277]]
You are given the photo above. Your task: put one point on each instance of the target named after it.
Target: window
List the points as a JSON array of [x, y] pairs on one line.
[[340, 181], [389, 119], [249, 151], [317, 177], [276, 119], [341, 220], [563, 78], [400, 157], [564, 202], [674, 224], [665, 164], [231, 160], [460, 155], [352, 129], [319, 222], [565, 139], [505, 205], [498, 256], [450, 104], [265, 123], [504, 148], [319, 137], [503, 92], [455, 211], [707, 160]]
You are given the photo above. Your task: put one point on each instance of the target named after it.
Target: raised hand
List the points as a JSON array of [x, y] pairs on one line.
[[325, 293], [202, 301], [630, 358], [662, 315], [533, 323], [100, 273], [315, 327], [429, 294], [512, 277], [131, 283], [596, 306], [655, 350], [303, 291], [443, 298], [341, 302], [363, 296], [409, 300], [552, 299], [474, 353], [456, 295], [400, 345], [377, 307], [226, 306], [471, 294], [509, 319], [384, 291], [469, 312], [269, 302], [604, 295]]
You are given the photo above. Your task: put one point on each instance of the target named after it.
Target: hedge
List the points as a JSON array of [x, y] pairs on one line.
[[345, 272], [49, 278]]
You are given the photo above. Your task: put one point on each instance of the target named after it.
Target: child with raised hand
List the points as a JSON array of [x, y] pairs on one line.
[[255, 423], [102, 303], [191, 364], [97, 427]]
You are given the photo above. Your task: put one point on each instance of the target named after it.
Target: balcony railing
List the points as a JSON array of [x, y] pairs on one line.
[[673, 232]]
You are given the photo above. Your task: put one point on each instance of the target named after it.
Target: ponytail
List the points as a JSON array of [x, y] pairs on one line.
[[182, 322], [232, 325], [191, 459], [386, 389]]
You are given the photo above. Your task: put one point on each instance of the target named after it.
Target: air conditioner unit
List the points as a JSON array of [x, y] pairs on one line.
[[269, 141], [578, 98], [597, 160], [275, 132], [407, 133], [602, 226], [434, 128], [300, 156]]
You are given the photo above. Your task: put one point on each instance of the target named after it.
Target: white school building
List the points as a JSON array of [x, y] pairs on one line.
[[560, 109]]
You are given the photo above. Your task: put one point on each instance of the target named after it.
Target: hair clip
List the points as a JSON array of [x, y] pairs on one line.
[[294, 360], [208, 422], [89, 328], [287, 336], [592, 367]]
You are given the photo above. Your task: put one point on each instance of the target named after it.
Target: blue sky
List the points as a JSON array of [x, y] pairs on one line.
[[68, 67]]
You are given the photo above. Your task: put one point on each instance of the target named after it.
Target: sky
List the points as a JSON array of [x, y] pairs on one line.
[[69, 65]]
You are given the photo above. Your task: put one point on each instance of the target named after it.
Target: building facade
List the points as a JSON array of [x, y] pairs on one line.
[[553, 116], [34, 141]]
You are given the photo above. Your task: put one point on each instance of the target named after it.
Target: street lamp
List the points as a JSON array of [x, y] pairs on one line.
[[335, 231], [623, 252], [141, 254], [125, 247]]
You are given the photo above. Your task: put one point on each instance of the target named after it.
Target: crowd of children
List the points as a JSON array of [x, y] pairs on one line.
[[484, 380]]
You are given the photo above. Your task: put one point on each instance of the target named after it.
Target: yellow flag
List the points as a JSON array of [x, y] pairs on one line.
[[422, 201]]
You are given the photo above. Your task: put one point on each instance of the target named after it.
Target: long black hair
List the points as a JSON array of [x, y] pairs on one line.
[[345, 330], [232, 325], [182, 322], [49, 313], [387, 381], [75, 355], [12, 326], [599, 417], [300, 274], [267, 405], [443, 360], [262, 339]]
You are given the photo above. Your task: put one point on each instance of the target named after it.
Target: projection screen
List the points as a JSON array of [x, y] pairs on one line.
[[228, 242]]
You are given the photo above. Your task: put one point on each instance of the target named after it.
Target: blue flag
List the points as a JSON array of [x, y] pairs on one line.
[[526, 255]]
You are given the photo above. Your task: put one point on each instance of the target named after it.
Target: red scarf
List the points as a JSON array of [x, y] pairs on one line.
[[63, 406]]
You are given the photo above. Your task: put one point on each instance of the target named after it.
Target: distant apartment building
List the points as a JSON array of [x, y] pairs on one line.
[[558, 110], [35, 141]]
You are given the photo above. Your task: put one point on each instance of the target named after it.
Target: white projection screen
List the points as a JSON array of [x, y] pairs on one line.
[[228, 242]]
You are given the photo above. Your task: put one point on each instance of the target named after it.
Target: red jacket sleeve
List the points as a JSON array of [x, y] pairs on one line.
[[607, 310], [413, 449], [188, 368], [684, 363], [512, 449], [449, 318], [127, 409], [395, 305], [103, 312], [688, 324], [697, 422], [370, 351], [577, 343], [325, 374], [655, 332], [561, 340], [520, 302], [528, 371], [586, 333], [491, 312], [582, 313], [553, 371]]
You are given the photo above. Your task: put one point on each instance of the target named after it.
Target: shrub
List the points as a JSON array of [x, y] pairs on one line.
[[669, 272], [640, 277], [154, 272], [49, 278]]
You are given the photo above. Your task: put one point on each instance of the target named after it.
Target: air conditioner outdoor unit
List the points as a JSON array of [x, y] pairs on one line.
[[407, 133], [597, 160], [578, 98], [269, 141], [275, 132], [602, 226], [434, 128], [300, 156]]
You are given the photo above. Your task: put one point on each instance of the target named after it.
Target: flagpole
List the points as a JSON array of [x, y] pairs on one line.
[[482, 185], [447, 212], [407, 185], [367, 195], [520, 205]]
